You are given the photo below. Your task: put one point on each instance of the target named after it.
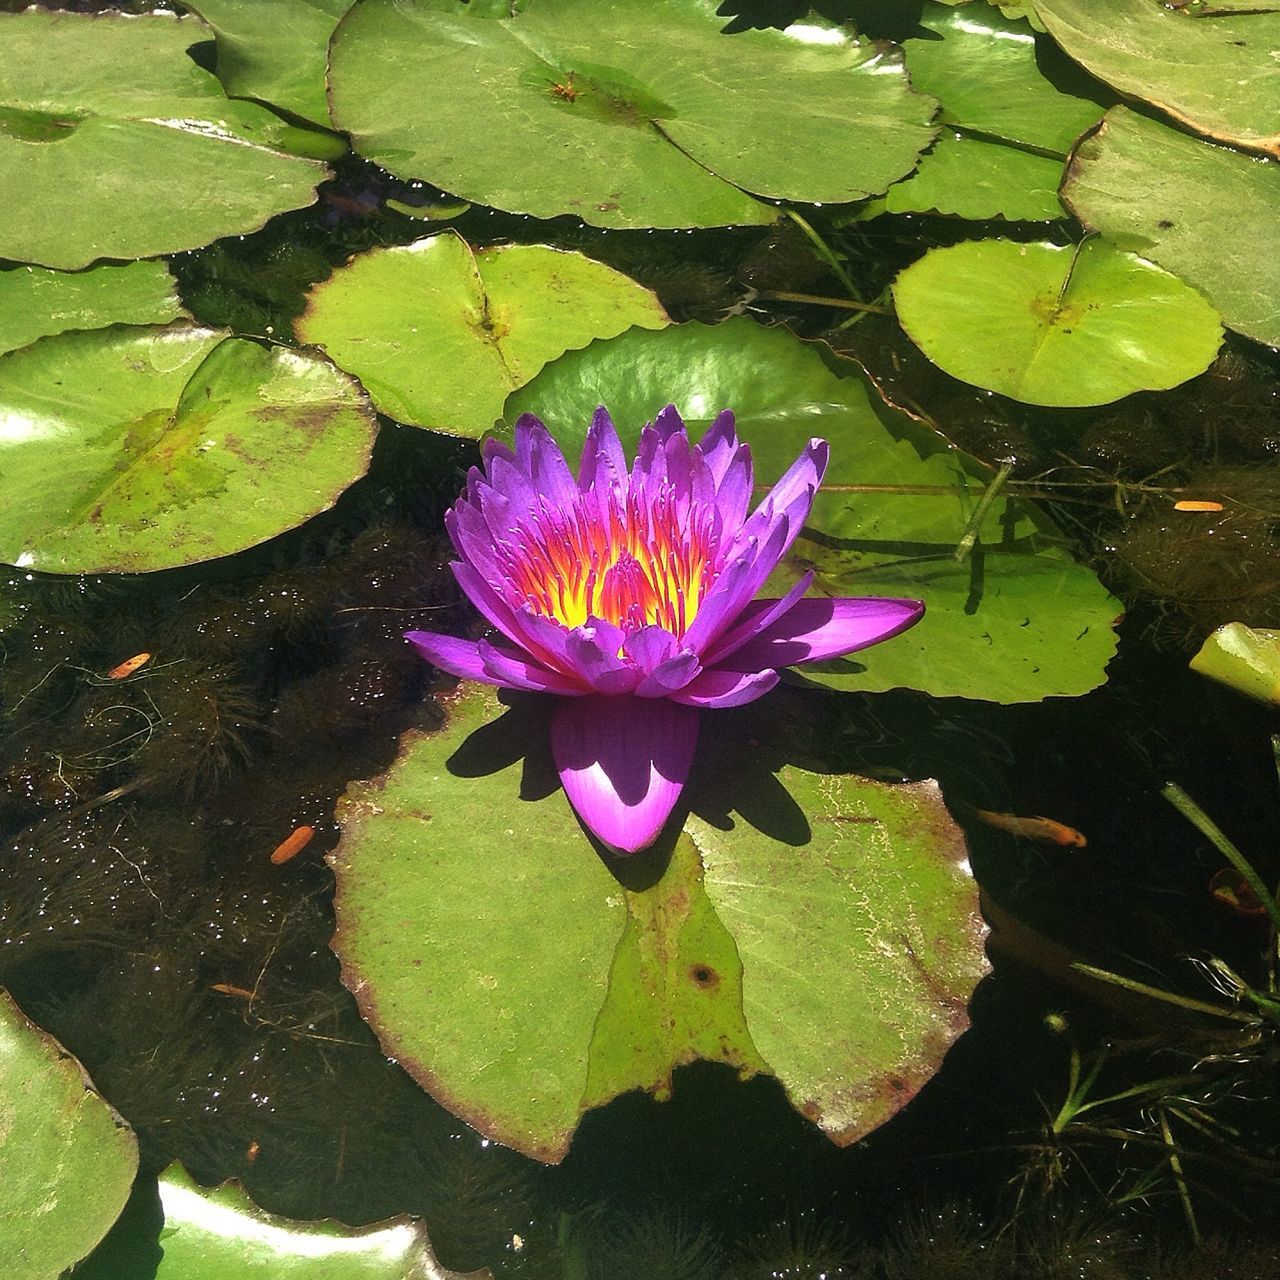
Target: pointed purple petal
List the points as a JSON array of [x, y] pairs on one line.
[[815, 629], [488, 601], [514, 670], [588, 653], [719, 444], [457, 657], [715, 689], [676, 451], [649, 469], [668, 423], [540, 458], [623, 762], [669, 677], [603, 465], [733, 493], [753, 619]]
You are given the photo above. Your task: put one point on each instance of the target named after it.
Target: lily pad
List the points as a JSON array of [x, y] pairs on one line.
[[968, 177], [115, 144], [1245, 659], [275, 52], [1207, 213], [439, 335], [175, 1229], [626, 116], [984, 69], [67, 1160], [132, 449], [35, 302], [1216, 75], [1055, 324], [831, 937], [1017, 622]]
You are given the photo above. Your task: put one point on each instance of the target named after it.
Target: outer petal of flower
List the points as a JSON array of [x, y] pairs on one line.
[[815, 629], [458, 657], [514, 670], [753, 619], [623, 762], [589, 653], [726, 688], [668, 423]]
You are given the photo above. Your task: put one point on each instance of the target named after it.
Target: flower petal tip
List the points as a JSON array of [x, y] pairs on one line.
[[623, 762]]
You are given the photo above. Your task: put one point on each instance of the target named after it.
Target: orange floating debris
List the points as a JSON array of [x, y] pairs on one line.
[[292, 845], [1044, 829], [1230, 888], [230, 989], [1195, 504], [252, 1153], [129, 666]]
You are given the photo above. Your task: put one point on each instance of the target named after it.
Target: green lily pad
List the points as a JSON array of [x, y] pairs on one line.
[[968, 177], [175, 1229], [1245, 659], [1017, 622], [1055, 324], [67, 1160], [1218, 75], [1207, 213], [983, 68], [132, 449], [625, 116], [275, 52], [439, 335], [35, 302], [115, 144], [831, 937]]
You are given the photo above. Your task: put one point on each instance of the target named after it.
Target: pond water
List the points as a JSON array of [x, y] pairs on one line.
[[1079, 1128]]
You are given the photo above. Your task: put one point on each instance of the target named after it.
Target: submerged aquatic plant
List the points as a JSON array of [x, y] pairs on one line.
[[631, 595]]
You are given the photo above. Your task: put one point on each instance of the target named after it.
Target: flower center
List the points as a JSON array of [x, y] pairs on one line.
[[646, 561]]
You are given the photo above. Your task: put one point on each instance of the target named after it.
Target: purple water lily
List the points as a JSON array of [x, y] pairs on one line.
[[631, 596]]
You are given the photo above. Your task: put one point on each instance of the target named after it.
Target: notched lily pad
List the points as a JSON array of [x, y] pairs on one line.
[[1216, 74], [1055, 324], [190, 1232], [133, 449], [1207, 213], [823, 928], [36, 302], [440, 335], [623, 116], [67, 1160], [115, 144], [1246, 659], [275, 52], [1015, 622]]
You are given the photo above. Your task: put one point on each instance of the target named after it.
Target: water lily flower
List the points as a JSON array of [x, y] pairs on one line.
[[630, 596]]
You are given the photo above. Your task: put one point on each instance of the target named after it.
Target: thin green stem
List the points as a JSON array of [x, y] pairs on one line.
[[1175, 1166], [1157, 993], [824, 251], [971, 531], [1194, 814], [820, 300]]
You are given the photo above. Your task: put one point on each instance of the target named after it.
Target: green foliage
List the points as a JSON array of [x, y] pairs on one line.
[[1055, 324], [440, 334], [523, 979], [115, 144], [620, 116], [1205, 213], [167, 445], [66, 1159]]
